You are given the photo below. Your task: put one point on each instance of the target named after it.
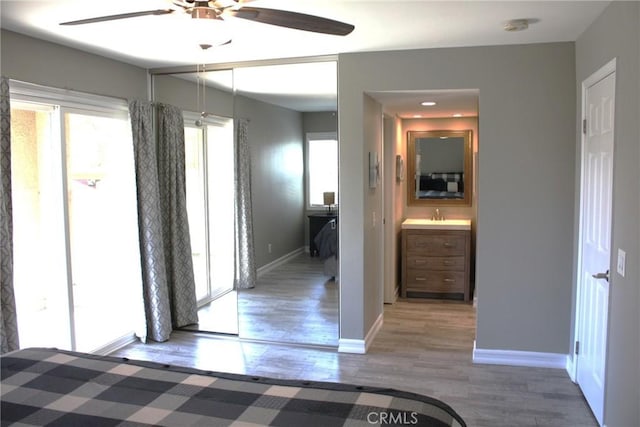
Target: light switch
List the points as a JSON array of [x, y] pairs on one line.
[[622, 255]]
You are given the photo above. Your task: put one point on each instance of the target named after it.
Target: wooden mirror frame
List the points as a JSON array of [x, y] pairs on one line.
[[411, 167]]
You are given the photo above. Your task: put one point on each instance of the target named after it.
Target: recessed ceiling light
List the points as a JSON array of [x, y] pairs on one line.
[[457, 115], [516, 25], [428, 103]]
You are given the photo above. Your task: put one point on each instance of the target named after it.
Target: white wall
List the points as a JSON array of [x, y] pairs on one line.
[[616, 34]]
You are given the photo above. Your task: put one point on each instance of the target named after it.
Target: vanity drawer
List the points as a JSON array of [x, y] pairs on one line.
[[437, 244], [453, 263], [435, 281], [436, 263]]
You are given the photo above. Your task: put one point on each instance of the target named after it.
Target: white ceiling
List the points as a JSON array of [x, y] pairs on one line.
[[172, 40]]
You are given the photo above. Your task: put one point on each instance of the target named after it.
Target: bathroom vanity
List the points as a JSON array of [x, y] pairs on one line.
[[436, 258]]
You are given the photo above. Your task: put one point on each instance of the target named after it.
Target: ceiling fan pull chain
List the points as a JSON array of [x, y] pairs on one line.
[[204, 89], [198, 88]]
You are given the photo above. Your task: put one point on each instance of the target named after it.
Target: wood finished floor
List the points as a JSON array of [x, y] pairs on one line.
[[423, 347], [295, 302]]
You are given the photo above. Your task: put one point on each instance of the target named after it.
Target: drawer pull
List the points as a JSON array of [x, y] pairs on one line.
[[448, 263], [421, 279], [448, 245], [449, 280], [420, 261]]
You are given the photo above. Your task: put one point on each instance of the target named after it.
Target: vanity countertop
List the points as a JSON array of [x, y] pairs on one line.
[[429, 224]]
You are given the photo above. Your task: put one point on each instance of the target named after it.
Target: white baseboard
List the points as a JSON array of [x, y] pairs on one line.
[[278, 262], [361, 346], [531, 359], [571, 367], [351, 346], [114, 345]]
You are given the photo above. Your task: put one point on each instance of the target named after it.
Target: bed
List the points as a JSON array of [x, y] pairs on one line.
[[327, 243], [441, 185], [62, 388]]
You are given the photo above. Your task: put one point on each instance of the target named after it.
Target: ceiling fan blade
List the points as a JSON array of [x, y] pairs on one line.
[[299, 21], [119, 16]]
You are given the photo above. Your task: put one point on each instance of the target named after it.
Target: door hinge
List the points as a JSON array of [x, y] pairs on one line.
[[577, 347], [584, 126]]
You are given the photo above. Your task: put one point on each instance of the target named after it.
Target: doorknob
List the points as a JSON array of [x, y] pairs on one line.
[[601, 276]]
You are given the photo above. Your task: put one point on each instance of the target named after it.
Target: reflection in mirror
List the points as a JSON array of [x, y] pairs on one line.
[[280, 107], [439, 164], [206, 99]]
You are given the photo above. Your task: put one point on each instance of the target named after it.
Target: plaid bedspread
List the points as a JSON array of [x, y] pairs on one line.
[[61, 388]]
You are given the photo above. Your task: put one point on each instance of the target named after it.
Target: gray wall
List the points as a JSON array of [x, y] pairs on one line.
[[373, 212], [616, 34], [275, 133], [183, 94], [36, 61], [277, 172], [525, 184], [277, 168], [276, 140], [322, 121]]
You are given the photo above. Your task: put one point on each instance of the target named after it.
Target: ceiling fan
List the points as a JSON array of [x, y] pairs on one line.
[[221, 9]]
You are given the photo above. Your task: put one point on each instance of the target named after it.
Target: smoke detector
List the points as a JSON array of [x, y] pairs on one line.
[[516, 25]]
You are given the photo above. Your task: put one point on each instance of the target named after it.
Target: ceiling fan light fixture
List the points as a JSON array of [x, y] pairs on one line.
[[199, 12], [516, 25], [207, 32]]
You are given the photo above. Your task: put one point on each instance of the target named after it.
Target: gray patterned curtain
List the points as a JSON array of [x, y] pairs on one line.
[[8, 316], [173, 201], [168, 284], [245, 266]]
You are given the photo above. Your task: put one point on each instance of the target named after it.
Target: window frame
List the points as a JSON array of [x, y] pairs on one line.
[[59, 102], [211, 120]]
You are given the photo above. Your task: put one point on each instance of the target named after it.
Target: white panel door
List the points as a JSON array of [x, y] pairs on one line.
[[597, 175]]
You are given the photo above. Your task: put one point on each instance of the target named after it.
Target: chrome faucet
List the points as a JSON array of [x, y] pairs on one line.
[[437, 216]]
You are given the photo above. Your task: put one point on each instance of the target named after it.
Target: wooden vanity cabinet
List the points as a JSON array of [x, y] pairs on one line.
[[436, 263]]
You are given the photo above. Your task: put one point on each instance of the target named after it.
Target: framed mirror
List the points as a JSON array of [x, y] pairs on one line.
[[439, 168]]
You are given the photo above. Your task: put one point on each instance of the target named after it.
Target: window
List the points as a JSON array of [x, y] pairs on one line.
[[322, 167], [77, 274], [210, 205]]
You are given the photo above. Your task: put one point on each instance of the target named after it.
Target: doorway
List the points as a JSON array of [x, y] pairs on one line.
[[592, 297], [421, 110]]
